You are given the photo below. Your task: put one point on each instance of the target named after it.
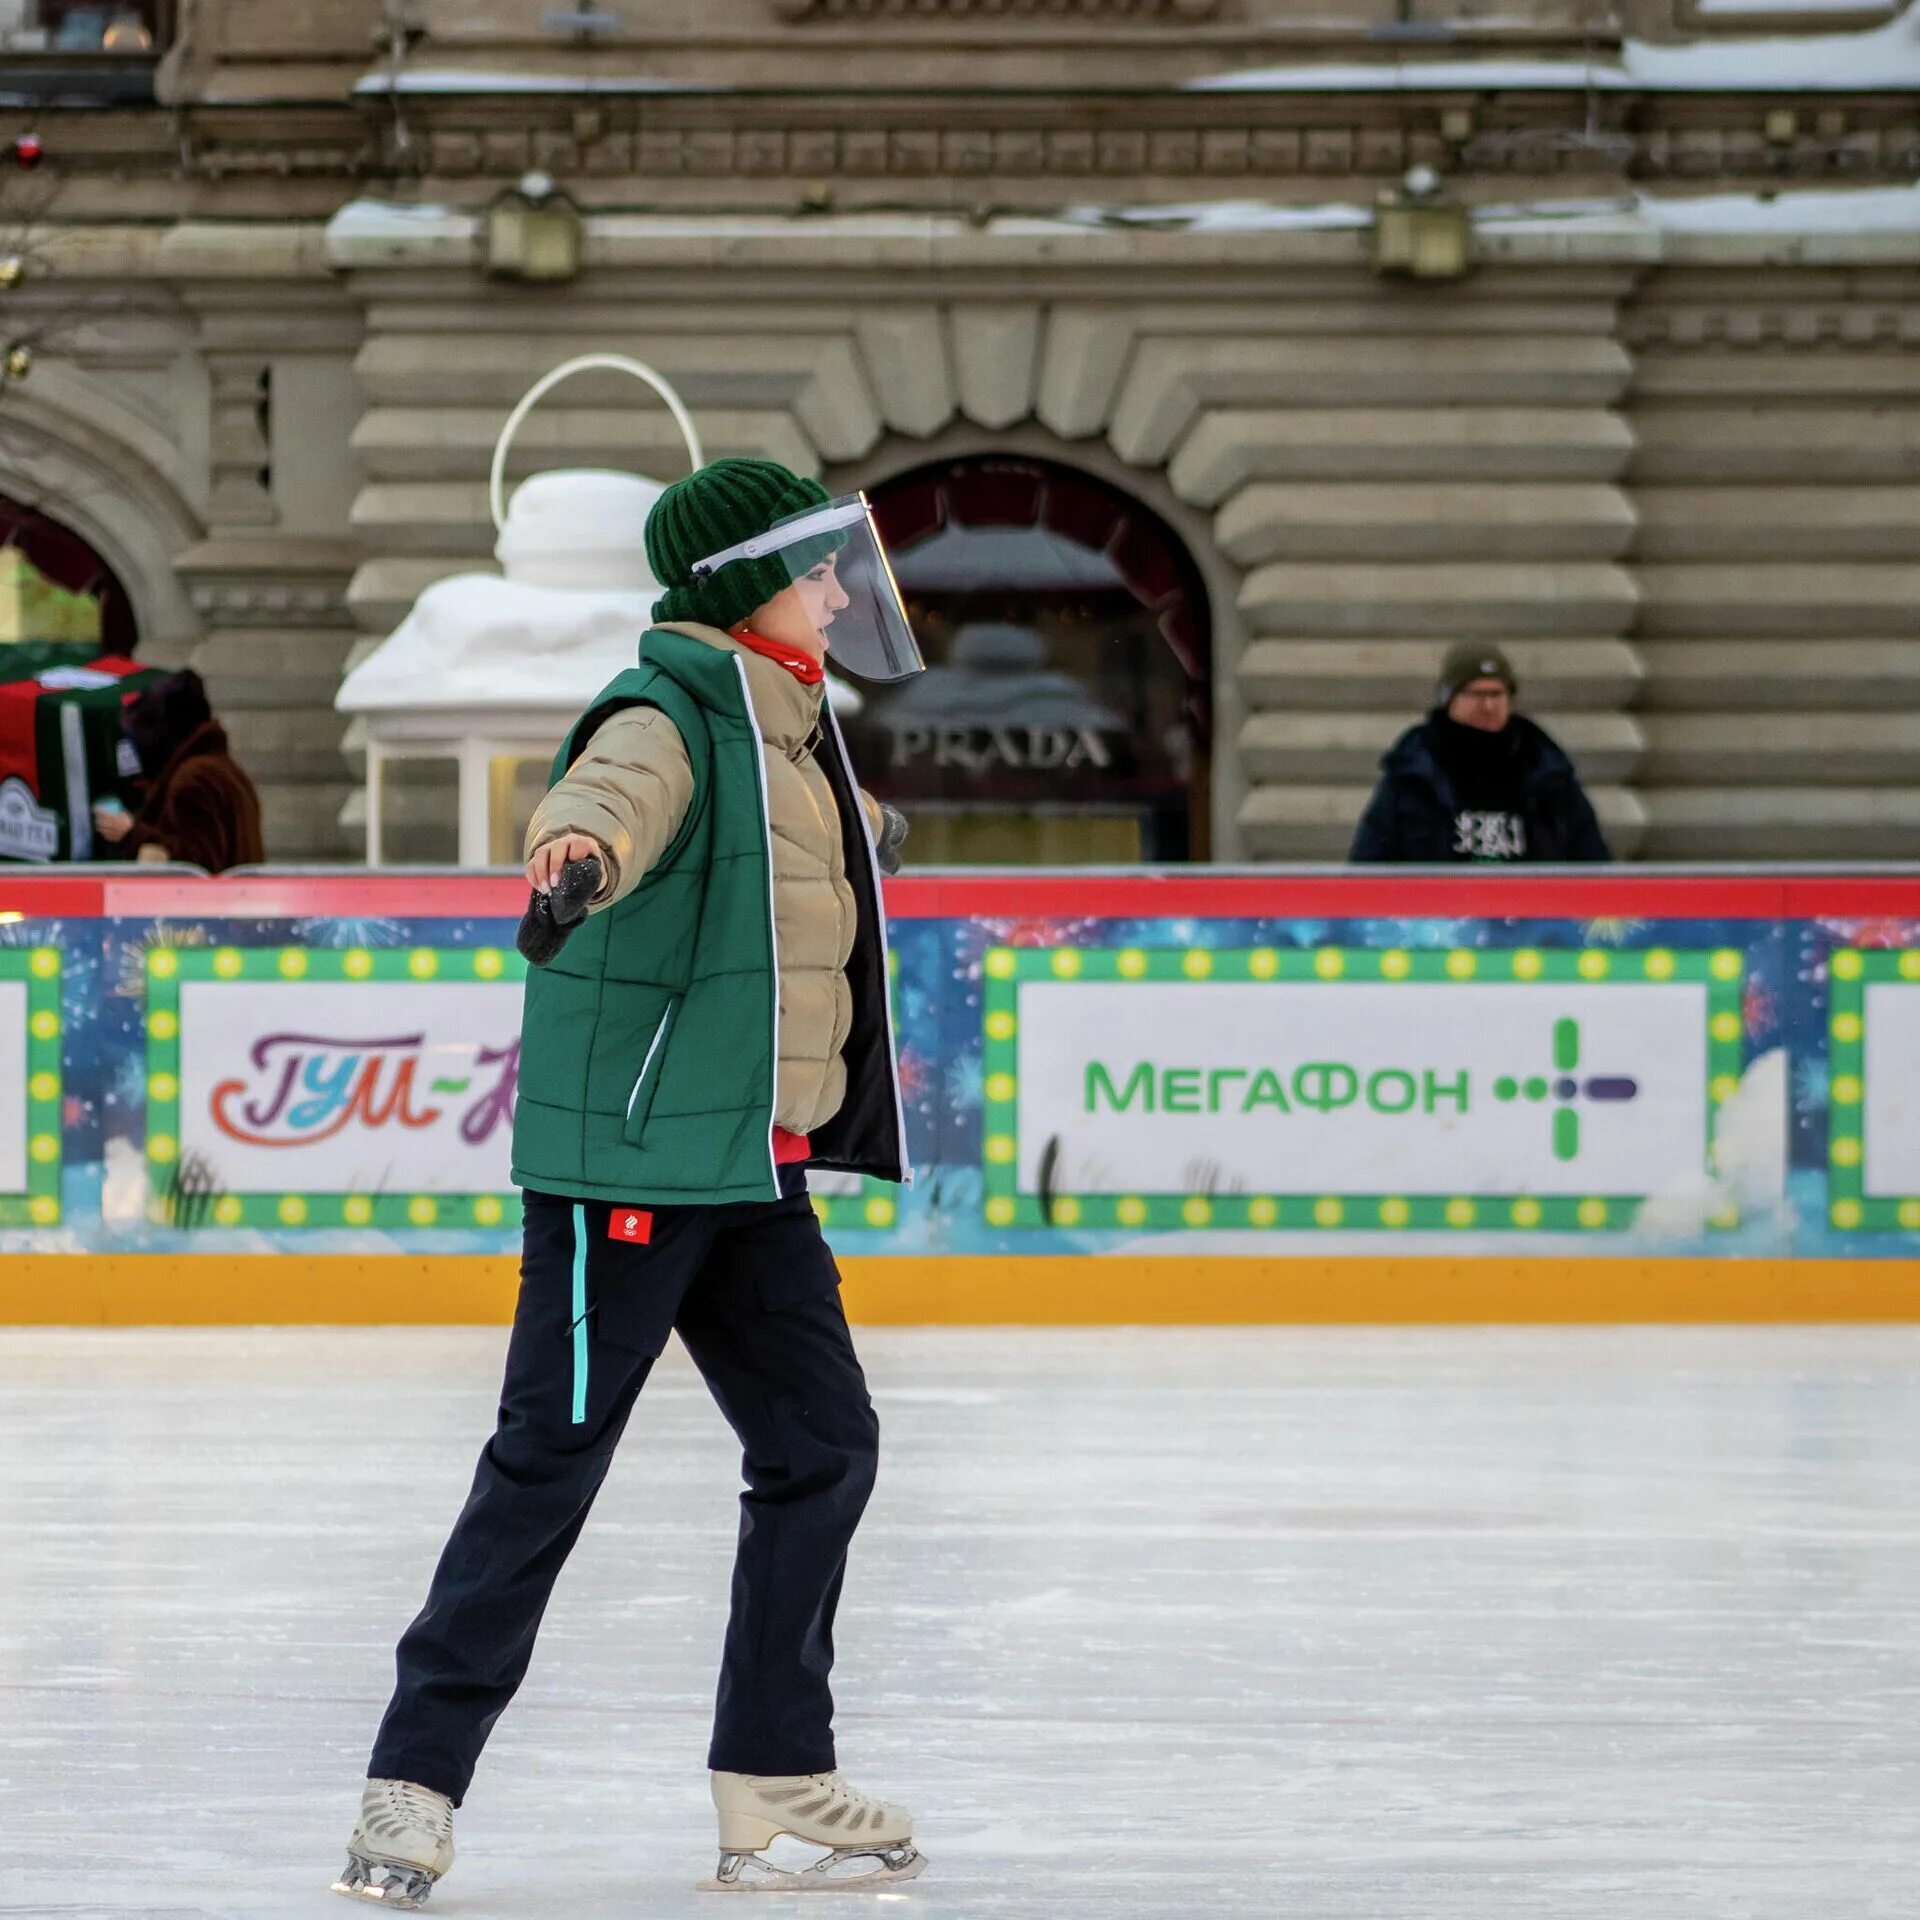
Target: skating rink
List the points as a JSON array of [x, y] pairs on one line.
[[1145, 1625]]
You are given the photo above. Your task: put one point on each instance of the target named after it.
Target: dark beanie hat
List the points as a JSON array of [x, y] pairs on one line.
[[714, 508], [1474, 660], [164, 716]]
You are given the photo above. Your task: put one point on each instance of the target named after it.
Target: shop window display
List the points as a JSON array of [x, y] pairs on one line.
[[1064, 714], [127, 28]]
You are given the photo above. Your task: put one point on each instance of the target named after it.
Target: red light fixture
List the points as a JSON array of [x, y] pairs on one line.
[[28, 151]]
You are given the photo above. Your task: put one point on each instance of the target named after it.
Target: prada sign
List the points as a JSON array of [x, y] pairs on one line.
[[981, 749]]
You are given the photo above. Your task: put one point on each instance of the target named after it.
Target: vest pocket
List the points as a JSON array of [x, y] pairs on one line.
[[646, 1082]]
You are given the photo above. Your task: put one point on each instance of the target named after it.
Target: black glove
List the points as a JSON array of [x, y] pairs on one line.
[[893, 833], [550, 918]]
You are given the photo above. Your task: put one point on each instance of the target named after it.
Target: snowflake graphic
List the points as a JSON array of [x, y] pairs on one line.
[[1810, 1086], [966, 1083], [79, 980], [369, 931], [128, 1087], [1409, 933]]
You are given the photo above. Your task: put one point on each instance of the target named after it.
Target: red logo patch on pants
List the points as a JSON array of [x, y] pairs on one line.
[[634, 1225]]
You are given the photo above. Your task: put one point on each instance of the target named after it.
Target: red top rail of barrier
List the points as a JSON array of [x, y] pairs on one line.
[[1649, 893]]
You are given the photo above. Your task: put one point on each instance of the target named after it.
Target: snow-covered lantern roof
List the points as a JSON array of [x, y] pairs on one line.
[[491, 669]]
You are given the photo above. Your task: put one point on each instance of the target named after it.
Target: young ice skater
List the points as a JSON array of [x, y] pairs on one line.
[[707, 1018]]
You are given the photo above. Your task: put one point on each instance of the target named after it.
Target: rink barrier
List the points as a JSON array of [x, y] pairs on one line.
[[1145, 1097], [278, 1289]]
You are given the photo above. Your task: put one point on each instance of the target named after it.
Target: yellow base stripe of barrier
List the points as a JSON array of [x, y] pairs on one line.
[[1048, 1290]]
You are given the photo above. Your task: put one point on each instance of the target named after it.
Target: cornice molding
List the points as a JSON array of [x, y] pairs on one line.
[[1890, 325], [1032, 151], [1128, 12]]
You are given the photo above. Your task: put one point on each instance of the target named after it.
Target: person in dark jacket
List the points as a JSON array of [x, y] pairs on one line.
[[200, 808], [1476, 782]]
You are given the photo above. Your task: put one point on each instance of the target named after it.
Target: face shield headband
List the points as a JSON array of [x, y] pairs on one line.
[[833, 560]]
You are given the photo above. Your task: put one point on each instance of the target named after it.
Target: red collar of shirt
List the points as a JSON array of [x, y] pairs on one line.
[[803, 666]]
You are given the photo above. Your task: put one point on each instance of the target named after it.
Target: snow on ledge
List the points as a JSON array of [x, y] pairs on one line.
[[1410, 73], [392, 233], [368, 219], [1839, 210], [478, 80], [1219, 216], [1874, 60], [1808, 213], [1872, 224]]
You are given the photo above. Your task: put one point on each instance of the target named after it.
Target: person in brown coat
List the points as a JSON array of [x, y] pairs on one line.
[[200, 808]]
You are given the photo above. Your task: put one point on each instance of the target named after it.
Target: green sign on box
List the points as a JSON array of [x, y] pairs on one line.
[[1353, 1089]]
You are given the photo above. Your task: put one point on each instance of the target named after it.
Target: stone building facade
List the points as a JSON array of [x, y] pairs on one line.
[[1662, 443]]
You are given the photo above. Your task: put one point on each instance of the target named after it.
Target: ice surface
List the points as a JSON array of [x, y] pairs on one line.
[[1147, 1625]]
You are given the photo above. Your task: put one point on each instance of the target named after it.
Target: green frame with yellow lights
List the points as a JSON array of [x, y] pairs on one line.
[[1721, 970], [168, 968], [39, 1205], [1850, 971]]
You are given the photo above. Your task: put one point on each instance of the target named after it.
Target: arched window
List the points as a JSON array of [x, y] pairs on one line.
[[1064, 716]]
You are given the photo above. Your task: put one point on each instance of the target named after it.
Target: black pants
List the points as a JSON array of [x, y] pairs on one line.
[[753, 1292]]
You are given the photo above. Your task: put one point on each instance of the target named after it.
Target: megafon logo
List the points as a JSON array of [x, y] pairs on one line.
[[1567, 1088]]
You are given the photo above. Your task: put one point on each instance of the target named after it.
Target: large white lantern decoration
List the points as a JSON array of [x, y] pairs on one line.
[[489, 672]]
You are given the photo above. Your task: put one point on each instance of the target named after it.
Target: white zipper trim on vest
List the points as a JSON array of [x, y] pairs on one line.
[[773, 924], [653, 1047], [886, 960]]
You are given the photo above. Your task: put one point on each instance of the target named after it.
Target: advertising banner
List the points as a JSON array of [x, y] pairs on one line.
[[300, 1087], [1873, 1145], [1087, 1068], [1346, 1087], [30, 1087]]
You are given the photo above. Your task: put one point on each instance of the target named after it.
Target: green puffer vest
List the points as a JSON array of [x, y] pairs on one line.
[[649, 1044]]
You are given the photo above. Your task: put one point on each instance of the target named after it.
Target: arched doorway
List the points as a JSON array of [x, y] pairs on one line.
[[1065, 714], [56, 592]]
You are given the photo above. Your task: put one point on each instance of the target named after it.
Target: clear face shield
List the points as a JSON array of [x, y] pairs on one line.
[[833, 562]]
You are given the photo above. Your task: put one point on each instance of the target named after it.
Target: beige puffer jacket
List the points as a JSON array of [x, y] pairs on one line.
[[630, 791]]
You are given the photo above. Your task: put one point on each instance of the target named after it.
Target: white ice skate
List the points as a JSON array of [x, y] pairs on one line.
[[869, 1844], [402, 1843]]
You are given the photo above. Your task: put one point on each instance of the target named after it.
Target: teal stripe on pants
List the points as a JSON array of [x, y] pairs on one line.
[[579, 1316]]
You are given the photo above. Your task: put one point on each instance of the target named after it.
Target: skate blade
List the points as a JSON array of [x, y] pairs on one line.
[[387, 1883], [749, 1873]]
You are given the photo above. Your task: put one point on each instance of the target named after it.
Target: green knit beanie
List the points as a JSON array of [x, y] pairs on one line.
[[721, 504]]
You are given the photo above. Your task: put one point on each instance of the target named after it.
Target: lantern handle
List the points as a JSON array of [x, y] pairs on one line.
[[618, 363]]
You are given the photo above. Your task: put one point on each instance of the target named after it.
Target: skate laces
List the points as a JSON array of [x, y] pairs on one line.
[[858, 1804], [418, 1806]]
